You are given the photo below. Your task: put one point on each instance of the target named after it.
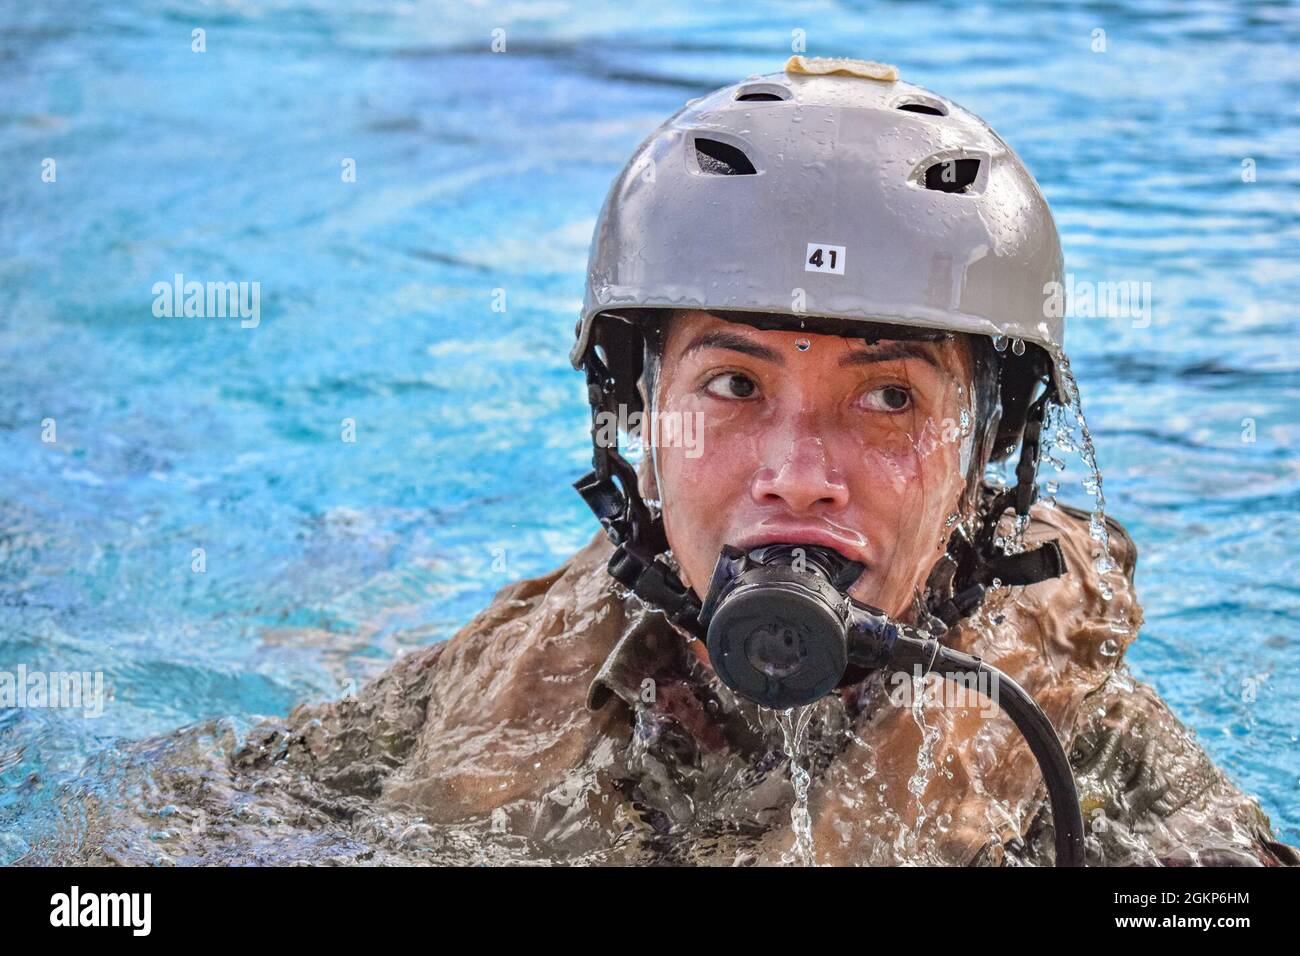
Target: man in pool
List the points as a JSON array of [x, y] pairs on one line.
[[848, 288]]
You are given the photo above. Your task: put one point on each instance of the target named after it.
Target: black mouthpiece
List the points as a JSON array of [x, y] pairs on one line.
[[777, 622]]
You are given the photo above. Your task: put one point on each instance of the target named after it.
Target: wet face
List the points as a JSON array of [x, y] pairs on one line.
[[812, 439]]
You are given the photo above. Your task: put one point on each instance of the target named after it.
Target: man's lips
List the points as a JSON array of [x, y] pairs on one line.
[[817, 535]]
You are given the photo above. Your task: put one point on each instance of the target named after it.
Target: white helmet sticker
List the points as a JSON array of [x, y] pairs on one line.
[[821, 257]]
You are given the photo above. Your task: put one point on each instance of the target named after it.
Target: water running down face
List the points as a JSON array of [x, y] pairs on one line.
[[812, 439]]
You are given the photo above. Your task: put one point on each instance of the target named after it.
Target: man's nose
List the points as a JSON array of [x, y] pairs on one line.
[[803, 479]]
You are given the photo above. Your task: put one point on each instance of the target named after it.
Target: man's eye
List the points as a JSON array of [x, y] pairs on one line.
[[890, 398], [731, 385]]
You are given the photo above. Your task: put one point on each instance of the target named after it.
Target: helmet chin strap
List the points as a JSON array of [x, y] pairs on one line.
[[957, 584], [610, 490]]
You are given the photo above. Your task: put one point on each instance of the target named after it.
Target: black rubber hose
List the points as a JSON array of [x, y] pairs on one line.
[[1038, 731]]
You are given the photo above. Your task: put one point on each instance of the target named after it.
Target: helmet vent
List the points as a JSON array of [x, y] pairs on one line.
[[925, 108], [952, 175], [717, 158], [760, 92]]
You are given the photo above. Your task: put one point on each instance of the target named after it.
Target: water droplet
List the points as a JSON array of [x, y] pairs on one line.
[[803, 345]]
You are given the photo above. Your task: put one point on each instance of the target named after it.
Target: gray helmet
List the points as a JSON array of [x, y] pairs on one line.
[[836, 202], [830, 196]]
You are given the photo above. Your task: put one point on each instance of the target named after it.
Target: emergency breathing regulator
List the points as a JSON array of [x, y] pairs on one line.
[[781, 631]]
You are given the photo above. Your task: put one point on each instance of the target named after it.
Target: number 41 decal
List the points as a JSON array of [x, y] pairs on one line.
[[824, 258]]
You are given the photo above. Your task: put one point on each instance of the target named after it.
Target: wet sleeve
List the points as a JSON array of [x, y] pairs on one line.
[[1151, 795], [353, 743]]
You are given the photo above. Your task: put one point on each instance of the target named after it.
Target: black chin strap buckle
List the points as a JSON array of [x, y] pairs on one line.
[[610, 491], [635, 563], [657, 585], [1001, 570], [606, 502], [1027, 567]]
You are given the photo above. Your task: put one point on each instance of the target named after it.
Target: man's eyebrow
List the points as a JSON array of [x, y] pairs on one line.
[[721, 339], [889, 352], [736, 343]]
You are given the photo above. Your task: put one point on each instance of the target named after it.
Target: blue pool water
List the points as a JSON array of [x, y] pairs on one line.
[[478, 171]]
